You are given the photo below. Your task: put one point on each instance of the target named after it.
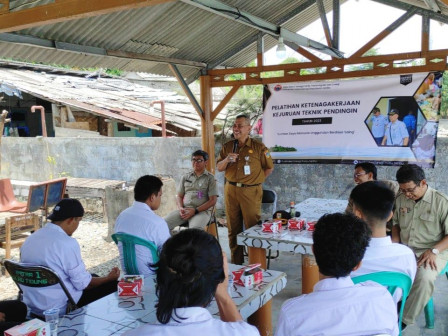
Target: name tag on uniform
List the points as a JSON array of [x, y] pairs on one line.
[[246, 170], [200, 194]]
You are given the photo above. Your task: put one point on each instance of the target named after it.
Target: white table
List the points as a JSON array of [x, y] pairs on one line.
[[293, 241], [112, 315]]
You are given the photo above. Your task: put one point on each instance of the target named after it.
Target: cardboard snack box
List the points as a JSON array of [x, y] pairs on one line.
[[130, 285], [272, 227], [296, 224], [33, 327], [248, 276]]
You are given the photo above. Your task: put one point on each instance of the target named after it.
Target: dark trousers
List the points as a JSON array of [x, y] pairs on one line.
[[15, 313], [93, 294]]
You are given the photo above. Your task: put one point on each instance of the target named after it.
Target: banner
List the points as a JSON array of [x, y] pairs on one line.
[[388, 120]]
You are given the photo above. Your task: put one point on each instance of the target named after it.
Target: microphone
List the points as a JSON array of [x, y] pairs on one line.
[[235, 146]]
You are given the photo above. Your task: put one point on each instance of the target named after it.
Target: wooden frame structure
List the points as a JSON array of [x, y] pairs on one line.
[[378, 65]]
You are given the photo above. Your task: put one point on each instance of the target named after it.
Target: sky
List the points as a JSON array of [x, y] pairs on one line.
[[361, 20]]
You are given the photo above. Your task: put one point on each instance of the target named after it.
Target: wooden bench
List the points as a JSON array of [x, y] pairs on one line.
[[15, 228]]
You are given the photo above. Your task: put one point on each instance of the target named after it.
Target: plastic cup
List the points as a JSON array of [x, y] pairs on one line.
[[52, 318]]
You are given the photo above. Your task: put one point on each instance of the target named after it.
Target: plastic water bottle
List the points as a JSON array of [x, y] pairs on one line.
[[292, 209], [230, 285]]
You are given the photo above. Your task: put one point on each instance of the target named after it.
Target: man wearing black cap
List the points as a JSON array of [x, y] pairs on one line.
[[53, 246], [396, 131]]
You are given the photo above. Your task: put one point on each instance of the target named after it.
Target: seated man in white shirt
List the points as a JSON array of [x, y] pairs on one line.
[[140, 220], [373, 202], [337, 306], [53, 246]]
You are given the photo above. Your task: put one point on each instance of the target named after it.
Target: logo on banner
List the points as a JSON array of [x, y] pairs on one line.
[[405, 79], [278, 87]]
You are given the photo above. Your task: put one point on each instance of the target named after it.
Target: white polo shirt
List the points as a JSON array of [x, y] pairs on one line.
[[195, 321], [139, 220], [339, 307], [384, 256], [52, 247]]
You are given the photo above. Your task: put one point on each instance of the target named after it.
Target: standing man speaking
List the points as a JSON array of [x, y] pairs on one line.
[[246, 163]]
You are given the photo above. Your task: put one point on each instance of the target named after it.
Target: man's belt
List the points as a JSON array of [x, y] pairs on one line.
[[237, 184]]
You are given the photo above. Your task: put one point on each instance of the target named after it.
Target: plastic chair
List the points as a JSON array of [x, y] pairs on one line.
[[429, 308], [37, 276], [129, 256], [7, 198], [392, 280], [212, 223]]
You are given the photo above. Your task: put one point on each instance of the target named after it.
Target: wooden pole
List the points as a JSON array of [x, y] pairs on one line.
[[208, 137], [3, 120]]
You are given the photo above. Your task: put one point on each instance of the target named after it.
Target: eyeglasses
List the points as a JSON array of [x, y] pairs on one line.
[[359, 174], [197, 160], [239, 126], [409, 191]]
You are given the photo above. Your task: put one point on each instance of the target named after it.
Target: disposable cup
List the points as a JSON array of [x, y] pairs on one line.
[[52, 318]]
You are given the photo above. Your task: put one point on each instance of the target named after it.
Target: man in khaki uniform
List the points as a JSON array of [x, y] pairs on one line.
[[196, 195], [246, 163], [421, 222]]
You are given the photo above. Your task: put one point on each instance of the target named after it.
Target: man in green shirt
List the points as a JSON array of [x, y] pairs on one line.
[[421, 222]]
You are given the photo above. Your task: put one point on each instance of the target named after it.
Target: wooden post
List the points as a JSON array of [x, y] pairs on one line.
[[208, 137], [3, 120], [310, 273]]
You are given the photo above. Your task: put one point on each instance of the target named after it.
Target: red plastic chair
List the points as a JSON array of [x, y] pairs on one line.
[[8, 201]]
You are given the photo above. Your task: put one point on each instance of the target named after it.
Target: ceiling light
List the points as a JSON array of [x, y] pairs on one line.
[[281, 49]]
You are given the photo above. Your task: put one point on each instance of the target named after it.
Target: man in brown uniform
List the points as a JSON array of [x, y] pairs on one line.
[[246, 163]]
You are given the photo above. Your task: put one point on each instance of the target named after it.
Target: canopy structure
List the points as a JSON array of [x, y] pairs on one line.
[[206, 39]]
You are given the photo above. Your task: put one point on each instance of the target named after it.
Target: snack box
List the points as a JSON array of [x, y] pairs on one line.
[[130, 285], [273, 227], [248, 276], [33, 327], [310, 225], [296, 224]]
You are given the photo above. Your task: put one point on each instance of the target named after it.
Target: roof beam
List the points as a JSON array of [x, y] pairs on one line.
[[44, 43], [404, 6], [187, 90], [63, 10], [336, 23], [394, 25], [323, 19], [260, 24], [253, 38]]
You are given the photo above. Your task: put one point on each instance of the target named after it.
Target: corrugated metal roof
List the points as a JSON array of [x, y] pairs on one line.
[[173, 29], [109, 97]]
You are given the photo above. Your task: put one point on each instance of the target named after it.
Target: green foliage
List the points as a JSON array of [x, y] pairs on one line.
[[277, 148], [444, 103]]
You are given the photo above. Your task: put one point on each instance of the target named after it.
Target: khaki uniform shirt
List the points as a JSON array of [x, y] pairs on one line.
[[253, 153], [197, 189], [424, 223]]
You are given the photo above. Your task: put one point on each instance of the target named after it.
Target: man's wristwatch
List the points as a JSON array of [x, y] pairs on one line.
[[196, 211], [435, 251]]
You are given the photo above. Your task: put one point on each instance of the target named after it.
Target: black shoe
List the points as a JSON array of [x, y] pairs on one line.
[[403, 326]]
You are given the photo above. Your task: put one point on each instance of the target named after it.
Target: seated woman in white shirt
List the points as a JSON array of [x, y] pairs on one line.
[[192, 270]]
